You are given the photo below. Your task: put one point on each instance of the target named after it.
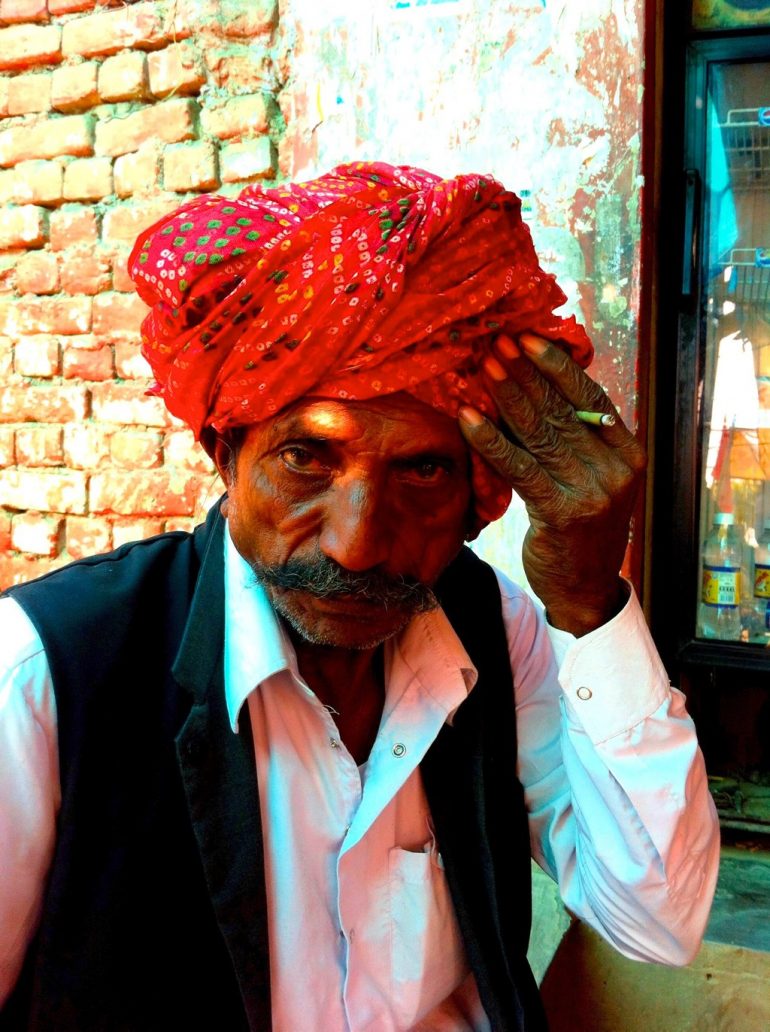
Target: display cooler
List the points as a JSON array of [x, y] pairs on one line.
[[710, 543]]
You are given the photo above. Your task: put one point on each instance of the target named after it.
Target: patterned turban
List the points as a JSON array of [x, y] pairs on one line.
[[369, 280]]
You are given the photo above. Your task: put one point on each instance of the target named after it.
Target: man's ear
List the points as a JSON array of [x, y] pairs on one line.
[[224, 459]]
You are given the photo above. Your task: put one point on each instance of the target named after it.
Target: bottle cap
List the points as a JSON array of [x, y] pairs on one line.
[[724, 519]]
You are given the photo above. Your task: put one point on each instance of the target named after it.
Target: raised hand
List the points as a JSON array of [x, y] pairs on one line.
[[578, 481]]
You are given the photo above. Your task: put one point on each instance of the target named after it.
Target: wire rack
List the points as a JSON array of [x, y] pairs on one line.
[[746, 277], [746, 138]]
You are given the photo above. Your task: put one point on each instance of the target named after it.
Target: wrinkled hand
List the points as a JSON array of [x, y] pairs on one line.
[[578, 481]]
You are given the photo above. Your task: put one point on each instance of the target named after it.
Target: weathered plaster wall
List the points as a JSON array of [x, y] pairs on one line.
[[113, 112], [544, 94]]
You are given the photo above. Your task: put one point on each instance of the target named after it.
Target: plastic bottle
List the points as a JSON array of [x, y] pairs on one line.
[[761, 621], [720, 615]]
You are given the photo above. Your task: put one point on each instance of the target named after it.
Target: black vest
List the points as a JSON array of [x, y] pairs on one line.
[[155, 913]]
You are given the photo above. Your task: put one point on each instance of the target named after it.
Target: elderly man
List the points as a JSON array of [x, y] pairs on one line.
[[287, 772]]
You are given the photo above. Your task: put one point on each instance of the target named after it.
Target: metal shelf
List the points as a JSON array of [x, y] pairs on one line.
[[746, 136]]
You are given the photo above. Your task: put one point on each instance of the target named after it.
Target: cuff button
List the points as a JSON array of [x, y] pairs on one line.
[[584, 693]]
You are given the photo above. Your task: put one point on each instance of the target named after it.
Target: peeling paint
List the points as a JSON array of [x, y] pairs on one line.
[[546, 96]]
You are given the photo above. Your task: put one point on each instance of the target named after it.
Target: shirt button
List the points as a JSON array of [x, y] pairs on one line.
[[399, 749], [584, 693], [334, 743]]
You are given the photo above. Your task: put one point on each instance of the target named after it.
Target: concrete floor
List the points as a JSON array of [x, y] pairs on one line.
[[741, 912], [589, 987]]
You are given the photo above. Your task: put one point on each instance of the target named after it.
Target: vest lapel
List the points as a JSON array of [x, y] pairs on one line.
[[219, 776]]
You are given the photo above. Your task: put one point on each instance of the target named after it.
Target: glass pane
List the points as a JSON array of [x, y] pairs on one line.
[[730, 14], [734, 591]]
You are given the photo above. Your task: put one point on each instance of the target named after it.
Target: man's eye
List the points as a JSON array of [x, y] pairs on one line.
[[301, 459], [428, 472]]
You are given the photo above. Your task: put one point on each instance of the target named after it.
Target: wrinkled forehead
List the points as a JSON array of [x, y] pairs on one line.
[[396, 416]]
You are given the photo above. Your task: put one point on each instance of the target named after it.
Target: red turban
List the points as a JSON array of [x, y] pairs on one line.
[[370, 280]]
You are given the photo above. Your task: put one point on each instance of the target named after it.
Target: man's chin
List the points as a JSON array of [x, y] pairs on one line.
[[344, 623]]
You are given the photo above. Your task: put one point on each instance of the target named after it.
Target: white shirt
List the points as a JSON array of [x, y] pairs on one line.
[[362, 932]]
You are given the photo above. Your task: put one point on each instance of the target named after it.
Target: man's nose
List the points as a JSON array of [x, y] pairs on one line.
[[354, 531]]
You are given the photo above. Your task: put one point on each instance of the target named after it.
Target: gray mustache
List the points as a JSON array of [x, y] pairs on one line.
[[324, 578]]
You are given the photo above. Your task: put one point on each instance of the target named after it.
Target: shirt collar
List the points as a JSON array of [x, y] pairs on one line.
[[257, 646]]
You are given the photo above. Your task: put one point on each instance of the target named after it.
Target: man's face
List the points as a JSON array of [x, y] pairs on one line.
[[346, 509]]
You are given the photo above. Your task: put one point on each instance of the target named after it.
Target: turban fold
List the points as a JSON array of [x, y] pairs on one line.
[[369, 280]]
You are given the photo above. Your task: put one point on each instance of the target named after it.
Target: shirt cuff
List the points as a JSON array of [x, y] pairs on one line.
[[612, 678]]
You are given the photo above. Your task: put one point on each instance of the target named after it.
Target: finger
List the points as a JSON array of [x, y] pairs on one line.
[[540, 418], [562, 373], [584, 394], [515, 465]]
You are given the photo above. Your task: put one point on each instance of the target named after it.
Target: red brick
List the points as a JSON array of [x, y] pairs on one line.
[[56, 7], [86, 445], [127, 404], [88, 179], [26, 226], [181, 450], [49, 138], [241, 69], [45, 315], [184, 523], [123, 223], [118, 315], [36, 182], [25, 45], [45, 490], [137, 173], [253, 159], [136, 449], [7, 450], [45, 404], [39, 446], [37, 273], [190, 166], [236, 117], [120, 278], [37, 355], [72, 226], [137, 26], [86, 535], [130, 363], [37, 534], [171, 121], [85, 271], [23, 11], [123, 77], [124, 531], [6, 356], [18, 569], [245, 21], [5, 533], [147, 493], [29, 93], [74, 87], [178, 69], [87, 364]]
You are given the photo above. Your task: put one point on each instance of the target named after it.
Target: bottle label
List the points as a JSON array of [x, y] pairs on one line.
[[761, 581], [721, 585]]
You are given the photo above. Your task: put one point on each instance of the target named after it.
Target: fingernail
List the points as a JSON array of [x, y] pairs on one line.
[[494, 369], [507, 348], [533, 345], [470, 416]]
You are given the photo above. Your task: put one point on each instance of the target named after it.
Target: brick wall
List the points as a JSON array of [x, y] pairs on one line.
[[111, 114]]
